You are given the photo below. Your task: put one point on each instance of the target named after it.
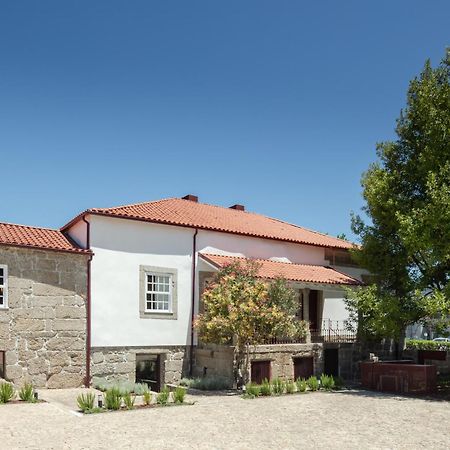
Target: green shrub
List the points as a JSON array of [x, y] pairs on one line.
[[208, 383], [179, 394], [124, 387], [252, 390], [113, 399], [163, 397], [277, 386], [327, 382], [129, 400], [187, 382], [140, 388], [290, 387], [301, 384], [339, 383], [94, 410], [147, 397], [26, 393], [422, 344], [312, 383], [101, 384], [86, 401], [7, 392], [265, 388]]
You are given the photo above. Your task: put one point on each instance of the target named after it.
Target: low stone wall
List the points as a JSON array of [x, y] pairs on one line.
[[218, 359], [282, 357], [215, 360], [43, 331], [119, 363]]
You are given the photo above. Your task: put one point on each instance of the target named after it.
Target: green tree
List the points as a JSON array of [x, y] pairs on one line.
[[244, 310], [406, 244]]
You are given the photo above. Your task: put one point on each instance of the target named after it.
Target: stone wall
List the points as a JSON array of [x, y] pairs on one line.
[[214, 360], [218, 360], [119, 363], [282, 357], [43, 331]]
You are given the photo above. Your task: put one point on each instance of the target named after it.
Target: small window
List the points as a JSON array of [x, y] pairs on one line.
[[3, 287], [158, 292]]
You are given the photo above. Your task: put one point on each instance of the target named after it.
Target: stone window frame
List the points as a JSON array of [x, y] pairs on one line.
[[4, 285], [153, 270]]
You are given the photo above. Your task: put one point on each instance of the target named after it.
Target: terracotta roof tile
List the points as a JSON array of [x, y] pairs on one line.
[[295, 272], [188, 213], [41, 238]]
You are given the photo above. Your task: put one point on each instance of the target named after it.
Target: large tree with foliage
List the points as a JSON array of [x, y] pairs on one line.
[[406, 244], [244, 310]]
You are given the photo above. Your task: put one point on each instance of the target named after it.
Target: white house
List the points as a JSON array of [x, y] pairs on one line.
[[150, 263]]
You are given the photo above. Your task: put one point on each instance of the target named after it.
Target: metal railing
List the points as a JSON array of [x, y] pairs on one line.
[[333, 331], [281, 340]]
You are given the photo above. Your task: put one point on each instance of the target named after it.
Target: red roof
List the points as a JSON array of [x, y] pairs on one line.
[[294, 272], [41, 238], [181, 212]]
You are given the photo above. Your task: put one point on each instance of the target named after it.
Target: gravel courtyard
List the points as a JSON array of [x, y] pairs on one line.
[[352, 419]]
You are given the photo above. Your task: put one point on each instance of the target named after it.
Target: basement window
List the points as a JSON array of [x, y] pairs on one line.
[[3, 286]]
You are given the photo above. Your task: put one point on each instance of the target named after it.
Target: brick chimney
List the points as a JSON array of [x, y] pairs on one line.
[[191, 198], [238, 207]]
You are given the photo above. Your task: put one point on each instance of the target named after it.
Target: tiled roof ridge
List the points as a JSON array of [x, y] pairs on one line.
[[34, 227], [132, 204]]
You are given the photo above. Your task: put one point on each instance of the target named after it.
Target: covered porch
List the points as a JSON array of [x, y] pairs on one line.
[[319, 290]]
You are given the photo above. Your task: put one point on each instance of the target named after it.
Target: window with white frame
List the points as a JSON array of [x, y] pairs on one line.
[[158, 293], [3, 286]]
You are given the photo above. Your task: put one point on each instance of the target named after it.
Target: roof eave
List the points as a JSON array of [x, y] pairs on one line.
[[161, 222], [50, 249]]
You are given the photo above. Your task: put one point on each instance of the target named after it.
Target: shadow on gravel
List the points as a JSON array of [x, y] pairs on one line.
[[227, 393], [395, 396]]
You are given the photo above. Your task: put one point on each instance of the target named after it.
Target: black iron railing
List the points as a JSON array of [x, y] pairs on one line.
[[333, 331]]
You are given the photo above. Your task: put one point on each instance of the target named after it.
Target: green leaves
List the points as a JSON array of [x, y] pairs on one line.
[[407, 193], [243, 308]]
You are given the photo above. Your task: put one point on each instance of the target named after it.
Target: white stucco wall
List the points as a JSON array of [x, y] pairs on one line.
[[334, 307], [232, 244], [78, 233], [120, 246]]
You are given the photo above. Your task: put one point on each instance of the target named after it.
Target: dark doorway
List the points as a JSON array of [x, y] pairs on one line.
[[148, 370], [331, 361], [260, 370], [2, 364], [313, 310], [303, 367]]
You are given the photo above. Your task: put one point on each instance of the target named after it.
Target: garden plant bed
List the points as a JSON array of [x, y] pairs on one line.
[[97, 410], [23, 402], [115, 399], [278, 387]]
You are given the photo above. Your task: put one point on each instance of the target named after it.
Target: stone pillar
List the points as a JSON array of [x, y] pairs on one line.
[[306, 312]]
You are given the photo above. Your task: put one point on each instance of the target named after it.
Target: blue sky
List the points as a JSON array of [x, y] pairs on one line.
[[274, 104]]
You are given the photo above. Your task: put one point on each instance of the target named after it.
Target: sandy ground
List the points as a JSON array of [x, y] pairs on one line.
[[347, 420]]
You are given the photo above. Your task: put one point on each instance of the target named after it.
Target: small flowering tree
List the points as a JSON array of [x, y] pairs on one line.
[[243, 310]]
